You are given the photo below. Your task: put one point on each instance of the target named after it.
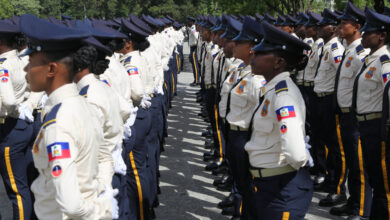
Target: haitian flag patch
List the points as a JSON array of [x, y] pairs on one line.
[[58, 150], [132, 71], [4, 76], [285, 112], [106, 82], [385, 77], [338, 59]]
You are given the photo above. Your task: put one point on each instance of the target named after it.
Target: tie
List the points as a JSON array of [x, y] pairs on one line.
[[355, 86], [261, 99], [319, 63]]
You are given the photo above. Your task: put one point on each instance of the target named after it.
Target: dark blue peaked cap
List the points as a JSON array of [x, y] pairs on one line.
[[46, 36], [268, 18], [387, 11], [353, 13], [209, 22], [157, 22], [99, 46], [329, 17], [132, 31], [190, 18], [66, 17], [100, 25], [86, 25], [276, 39], [259, 17], [251, 31], [170, 18], [290, 21], [304, 18], [177, 25], [7, 27], [141, 24], [281, 19], [314, 18], [233, 28], [375, 21], [223, 24], [219, 21], [55, 21]]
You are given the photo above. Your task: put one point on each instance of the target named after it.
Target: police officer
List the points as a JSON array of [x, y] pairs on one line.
[[323, 115], [359, 202], [282, 187], [192, 42], [367, 103], [65, 151], [15, 124]]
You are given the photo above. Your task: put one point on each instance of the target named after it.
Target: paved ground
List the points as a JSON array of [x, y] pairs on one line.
[[187, 190]]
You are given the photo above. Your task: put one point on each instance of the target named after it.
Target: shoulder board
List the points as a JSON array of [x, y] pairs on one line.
[[242, 65], [128, 60], [214, 55], [84, 91], [50, 118], [2, 60], [334, 46], [359, 49], [281, 86], [384, 59], [309, 41], [321, 44]]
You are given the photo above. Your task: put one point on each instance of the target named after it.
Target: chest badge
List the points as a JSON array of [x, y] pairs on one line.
[[232, 77], [370, 73], [36, 143], [349, 61], [326, 56], [240, 88], [264, 110]]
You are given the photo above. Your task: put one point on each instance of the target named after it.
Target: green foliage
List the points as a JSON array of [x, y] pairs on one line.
[[178, 9]]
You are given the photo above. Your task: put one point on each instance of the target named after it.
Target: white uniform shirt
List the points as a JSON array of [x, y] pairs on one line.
[[65, 154], [332, 55], [372, 80], [310, 42], [243, 98], [211, 53], [314, 59], [133, 65], [192, 36], [278, 128], [353, 62]]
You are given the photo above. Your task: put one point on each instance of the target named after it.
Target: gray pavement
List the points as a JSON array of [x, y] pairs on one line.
[[187, 190]]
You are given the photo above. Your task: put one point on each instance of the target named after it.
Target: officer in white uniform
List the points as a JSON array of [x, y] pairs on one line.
[[193, 36], [65, 151], [281, 185]]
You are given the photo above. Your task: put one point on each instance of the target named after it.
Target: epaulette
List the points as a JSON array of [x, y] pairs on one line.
[[2, 60], [384, 59], [84, 91], [281, 87], [359, 49], [241, 66], [50, 118], [321, 44], [334, 46], [309, 41], [128, 60], [214, 55]]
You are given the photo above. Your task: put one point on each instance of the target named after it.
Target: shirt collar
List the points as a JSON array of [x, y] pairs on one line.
[[60, 94], [353, 45], [332, 41], [9, 53], [271, 84], [376, 55], [86, 80]]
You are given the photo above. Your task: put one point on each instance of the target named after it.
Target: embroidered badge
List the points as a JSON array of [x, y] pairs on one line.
[[240, 88], [56, 171], [58, 150], [232, 77], [386, 77], [312, 55], [326, 56], [132, 71], [283, 129], [349, 61], [106, 82], [127, 60], [264, 110], [4, 76], [263, 82], [2, 60], [36, 143], [338, 59], [370, 73], [285, 112]]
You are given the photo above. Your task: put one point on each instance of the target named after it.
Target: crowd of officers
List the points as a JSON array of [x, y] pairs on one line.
[[83, 117], [296, 104]]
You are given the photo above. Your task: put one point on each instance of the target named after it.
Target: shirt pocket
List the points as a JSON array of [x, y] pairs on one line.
[[263, 127], [368, 87]]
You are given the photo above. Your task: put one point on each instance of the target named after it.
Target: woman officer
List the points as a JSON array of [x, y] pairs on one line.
[[282, 187]]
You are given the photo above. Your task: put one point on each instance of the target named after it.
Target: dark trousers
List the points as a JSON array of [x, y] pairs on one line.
[[193, 58], [119, 182], [354, 166], [286, 196], [239, 165], [376, 155], [318, 148], [15, 136]]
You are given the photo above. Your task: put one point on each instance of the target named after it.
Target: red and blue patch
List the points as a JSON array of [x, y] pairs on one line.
[[56, 171], [385, 77], [106, 82], [338, 59], [4, 76], [132, 71], [285, 112], [58, 150], [283, 129]]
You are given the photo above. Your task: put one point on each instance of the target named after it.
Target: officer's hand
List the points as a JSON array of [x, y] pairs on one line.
[[145, 103], [109, 192], [120, 166], [308, 147], [43, 101], [25, 113]]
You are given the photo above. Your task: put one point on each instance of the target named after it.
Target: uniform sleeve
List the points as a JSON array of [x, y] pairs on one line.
[[337, 51], [385, 72], [136, 84], [291, 122], [62, 153], [256, 83], [7, 93]]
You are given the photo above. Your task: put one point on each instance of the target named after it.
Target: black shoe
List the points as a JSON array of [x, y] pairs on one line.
[[210, 156], [193, 84], [226, 187], [156, 203], [228, 211], [344, 210], [333, 199], [223, 180], [158, 190], [356, 217], [322, 187], [207, 133], [209, 145], [227, 202], [221, 170], [212, 166], [235, 218], [152, 214]]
